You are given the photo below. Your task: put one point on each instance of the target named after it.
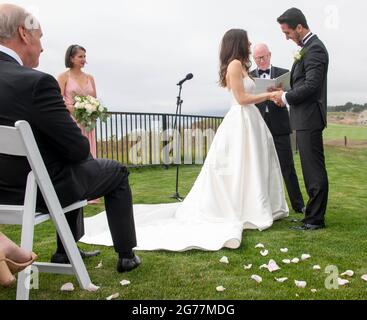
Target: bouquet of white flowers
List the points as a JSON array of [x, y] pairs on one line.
[[87, 110]]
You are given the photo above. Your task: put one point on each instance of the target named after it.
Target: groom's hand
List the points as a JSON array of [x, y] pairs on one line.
[[277, 98]]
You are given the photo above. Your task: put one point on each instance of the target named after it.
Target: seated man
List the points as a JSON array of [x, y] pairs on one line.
[[27, 94]]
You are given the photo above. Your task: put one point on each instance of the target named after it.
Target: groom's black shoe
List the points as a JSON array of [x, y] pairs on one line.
[[63, 257], [126, 264], [308, 226]]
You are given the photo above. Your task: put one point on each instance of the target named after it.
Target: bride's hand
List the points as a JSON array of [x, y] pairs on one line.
[[276, 97]]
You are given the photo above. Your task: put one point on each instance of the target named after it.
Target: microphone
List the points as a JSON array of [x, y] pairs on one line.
[[188, 77]]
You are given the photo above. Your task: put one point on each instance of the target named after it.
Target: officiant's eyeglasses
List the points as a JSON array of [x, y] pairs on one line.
[[261, 58]]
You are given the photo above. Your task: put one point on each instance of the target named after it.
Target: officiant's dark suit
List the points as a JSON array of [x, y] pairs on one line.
[[308, 107], [277, 119], [27, 94]]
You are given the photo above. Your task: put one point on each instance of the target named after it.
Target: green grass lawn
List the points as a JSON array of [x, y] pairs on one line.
[[338, 132], [196, 274]]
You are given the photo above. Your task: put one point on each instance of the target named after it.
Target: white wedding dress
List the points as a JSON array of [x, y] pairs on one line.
[[239, 187]]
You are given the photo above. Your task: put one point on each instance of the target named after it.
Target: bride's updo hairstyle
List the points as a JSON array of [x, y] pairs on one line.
[[235, 46]]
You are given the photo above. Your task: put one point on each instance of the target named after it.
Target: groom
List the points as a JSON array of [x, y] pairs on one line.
[[308, 105]]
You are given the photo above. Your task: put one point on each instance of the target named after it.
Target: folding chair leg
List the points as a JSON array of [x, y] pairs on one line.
[[24, 277], [71, 248]]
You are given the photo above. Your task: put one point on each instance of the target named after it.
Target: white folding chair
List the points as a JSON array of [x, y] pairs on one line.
[[19, 141]]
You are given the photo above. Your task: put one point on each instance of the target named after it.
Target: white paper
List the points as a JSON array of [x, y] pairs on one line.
[[262, 84]]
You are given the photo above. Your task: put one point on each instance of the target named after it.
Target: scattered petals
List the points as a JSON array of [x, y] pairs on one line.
[[300, 284], [349, 273], [313, 290], [224, 260], [305, 256], [247, 267], [295, 260], [264, 253], [272, 266], [259, 245], [284, 250], [67, 287], [342, 282], [263, 266], [297, 295], [364, 277], [281, 280], [257, 278], [92, 288], [316, 267], [220, 289], [113, 297], [99, 266], [286, 261], [125, 282]]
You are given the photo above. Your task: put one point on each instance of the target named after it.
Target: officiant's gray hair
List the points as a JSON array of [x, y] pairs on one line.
[[11, 18]]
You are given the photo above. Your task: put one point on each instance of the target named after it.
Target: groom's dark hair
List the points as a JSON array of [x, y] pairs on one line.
[[293, 17]]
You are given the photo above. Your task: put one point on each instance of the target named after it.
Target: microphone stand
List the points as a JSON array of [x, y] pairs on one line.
[[176, 195]]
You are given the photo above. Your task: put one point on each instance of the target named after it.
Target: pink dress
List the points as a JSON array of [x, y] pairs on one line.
[[73, 89]]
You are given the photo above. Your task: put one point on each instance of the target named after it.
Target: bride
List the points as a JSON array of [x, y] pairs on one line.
[[239, 187]]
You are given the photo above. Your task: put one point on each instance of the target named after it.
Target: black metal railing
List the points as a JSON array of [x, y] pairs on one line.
[[144, 139]]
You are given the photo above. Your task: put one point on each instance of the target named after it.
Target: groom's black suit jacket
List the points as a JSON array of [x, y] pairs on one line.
[[27, 94], [277, 118], [308, 97]]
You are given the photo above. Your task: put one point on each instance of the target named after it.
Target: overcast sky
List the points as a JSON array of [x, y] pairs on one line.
[[138, 50]]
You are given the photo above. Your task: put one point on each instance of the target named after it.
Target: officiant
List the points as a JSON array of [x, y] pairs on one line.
[[277, 119]]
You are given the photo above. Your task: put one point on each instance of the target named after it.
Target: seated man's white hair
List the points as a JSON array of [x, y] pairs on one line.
[[11, 18]]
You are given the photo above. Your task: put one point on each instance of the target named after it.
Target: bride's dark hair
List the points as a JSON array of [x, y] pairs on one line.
[[235, 46]]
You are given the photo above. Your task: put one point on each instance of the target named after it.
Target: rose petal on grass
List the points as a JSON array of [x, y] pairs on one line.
[[272, 266], [93, 288], [295, 260], [281, 280], [313, 290], [113, 296], [342, 282], [220, 289], [99, 266], [247, 267], [349, 273], [286, 261], [305, 256], [125, 282], [364, 277], [284, 250], [67, 287], [257, 278], [316, 267], [264, 253], [259, 245], [224, 260], [263, 266], [300, 284]]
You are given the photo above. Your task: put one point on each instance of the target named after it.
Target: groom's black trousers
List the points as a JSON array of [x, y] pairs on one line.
[[109, 179], [311, 150]]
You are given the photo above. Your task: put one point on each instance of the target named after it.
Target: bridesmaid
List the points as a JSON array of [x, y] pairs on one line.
[[76, 82]]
